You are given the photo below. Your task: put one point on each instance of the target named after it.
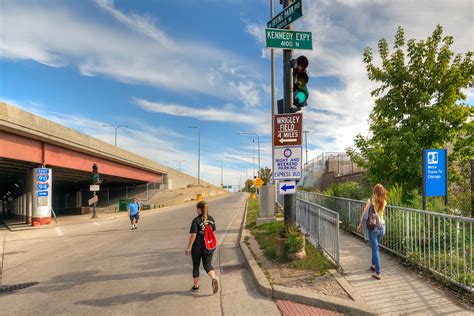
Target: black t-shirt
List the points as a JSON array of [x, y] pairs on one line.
[[197, 227]]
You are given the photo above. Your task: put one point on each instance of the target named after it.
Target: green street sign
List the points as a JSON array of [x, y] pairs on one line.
[[289, 14], [288, 39]]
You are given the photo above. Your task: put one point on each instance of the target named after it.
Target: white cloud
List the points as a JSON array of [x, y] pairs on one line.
[[134, 50], [207, 114], [341, 30]]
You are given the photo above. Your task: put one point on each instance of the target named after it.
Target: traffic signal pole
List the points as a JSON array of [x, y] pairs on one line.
[[288, 205]]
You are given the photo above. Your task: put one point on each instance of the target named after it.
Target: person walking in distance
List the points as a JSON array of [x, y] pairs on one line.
[[196, 246], [134, 213], [372, 224]]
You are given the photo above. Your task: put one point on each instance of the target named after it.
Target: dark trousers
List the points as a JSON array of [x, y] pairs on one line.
[[197, 253]]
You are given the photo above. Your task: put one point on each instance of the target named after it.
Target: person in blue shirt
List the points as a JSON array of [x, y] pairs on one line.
[[134, 213]]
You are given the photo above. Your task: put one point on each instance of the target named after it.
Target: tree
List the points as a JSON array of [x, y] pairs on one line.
[[265, 175], [419, 105], [249, 186]]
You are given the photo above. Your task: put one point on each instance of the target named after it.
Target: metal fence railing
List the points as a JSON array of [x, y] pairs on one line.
[[321, 224], [441, 243]]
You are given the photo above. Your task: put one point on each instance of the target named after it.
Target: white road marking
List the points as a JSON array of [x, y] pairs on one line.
[[97, 224], [59, 231]]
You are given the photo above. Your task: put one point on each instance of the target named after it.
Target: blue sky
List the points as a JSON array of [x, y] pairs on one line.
[[160, 66]]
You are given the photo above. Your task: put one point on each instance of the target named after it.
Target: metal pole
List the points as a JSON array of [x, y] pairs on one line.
[[199, 158], [253, 157], [258, 140], [306, 144], [272, 58], [289, 211]]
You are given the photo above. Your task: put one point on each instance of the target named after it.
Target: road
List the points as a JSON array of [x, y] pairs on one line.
[[104, 267]]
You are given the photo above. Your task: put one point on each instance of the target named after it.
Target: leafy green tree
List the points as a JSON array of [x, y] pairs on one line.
[[265, 175], [419, 105], [249, 186]]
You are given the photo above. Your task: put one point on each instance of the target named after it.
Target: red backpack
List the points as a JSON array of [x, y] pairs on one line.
[[210, 241]]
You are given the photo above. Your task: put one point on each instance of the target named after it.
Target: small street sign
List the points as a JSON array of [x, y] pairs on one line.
[[258, 182], [94, 187], [287, 163], [94, 199], [289, 14], [435, 172], [287, 187], [42, 193], [287, 129], [288, 39]]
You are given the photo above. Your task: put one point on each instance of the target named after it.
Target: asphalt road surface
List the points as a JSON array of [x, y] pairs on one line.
[[103, 267]]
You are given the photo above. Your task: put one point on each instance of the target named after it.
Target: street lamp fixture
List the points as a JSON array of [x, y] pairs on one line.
[[116, 127], [199, 153], [258, 141]]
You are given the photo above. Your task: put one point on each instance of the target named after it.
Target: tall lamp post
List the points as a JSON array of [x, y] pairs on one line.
[[222, 173], [306, 145], [258, 141], [179, 164], [253, 165], [199, 153], [116, 128]]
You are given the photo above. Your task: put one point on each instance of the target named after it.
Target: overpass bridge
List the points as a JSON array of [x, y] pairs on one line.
[[45, 165]]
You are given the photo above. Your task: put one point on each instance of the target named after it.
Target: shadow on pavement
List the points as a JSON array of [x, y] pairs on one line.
[[132, 298]]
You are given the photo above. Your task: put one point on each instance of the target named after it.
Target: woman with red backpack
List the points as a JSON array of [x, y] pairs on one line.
[[201, 245], [372, 224]]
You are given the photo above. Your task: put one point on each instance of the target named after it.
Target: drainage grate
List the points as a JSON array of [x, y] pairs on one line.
[[16, 287]]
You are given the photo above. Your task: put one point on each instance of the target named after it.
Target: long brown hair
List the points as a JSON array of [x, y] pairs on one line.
[[379, 195], [202, 205]]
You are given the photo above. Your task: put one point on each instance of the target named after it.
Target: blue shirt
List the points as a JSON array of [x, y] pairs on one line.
[[133, 206]]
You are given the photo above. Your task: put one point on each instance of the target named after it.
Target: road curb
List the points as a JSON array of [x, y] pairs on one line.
[[263, 285]]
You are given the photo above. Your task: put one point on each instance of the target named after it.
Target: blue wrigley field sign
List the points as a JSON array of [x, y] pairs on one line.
[[288, 39], [289, 14]]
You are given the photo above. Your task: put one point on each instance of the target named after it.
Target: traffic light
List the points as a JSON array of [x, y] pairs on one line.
[[95, 174], [300, 80]]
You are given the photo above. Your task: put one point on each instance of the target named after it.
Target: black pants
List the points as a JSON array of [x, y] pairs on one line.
[[197, 253]]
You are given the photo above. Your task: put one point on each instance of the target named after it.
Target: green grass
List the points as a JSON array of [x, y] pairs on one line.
[[265, 235], [252, 213]]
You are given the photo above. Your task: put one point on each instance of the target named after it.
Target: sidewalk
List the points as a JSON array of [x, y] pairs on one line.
[[401, 291]]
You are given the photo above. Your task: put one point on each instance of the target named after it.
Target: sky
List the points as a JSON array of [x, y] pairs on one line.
[[160, 67]]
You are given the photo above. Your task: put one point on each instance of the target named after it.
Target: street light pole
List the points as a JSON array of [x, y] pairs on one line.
[[179, 164], [306, 145], [258, 141], [222, 172], [116, 128], [199, 153]]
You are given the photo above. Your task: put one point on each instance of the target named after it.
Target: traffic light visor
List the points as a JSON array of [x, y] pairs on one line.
[[302, 62]]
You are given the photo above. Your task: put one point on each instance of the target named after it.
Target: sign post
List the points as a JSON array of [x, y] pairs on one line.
[[435, 174]]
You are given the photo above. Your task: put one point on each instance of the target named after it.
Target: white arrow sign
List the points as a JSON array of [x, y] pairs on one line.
[[290, 140]]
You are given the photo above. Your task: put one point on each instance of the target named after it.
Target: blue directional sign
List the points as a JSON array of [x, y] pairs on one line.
[[42, 193], [435, 172], [42, 170], [287, 187], [42, 178], [43, 186]]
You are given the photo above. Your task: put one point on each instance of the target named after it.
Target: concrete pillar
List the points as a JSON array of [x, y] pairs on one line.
[[29, 207], [79, 198], [42, 196], [267, 204], [23, 208]]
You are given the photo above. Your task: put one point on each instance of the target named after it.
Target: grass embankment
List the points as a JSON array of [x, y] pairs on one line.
[[265, 235]]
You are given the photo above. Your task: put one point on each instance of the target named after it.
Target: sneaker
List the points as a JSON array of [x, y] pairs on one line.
[[215, 286], [194, 289], [136, 226], [376, 276], [133, 227]]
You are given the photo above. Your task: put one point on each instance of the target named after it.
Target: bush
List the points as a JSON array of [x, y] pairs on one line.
[[395, 195], [350, 190], [294, 243]]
